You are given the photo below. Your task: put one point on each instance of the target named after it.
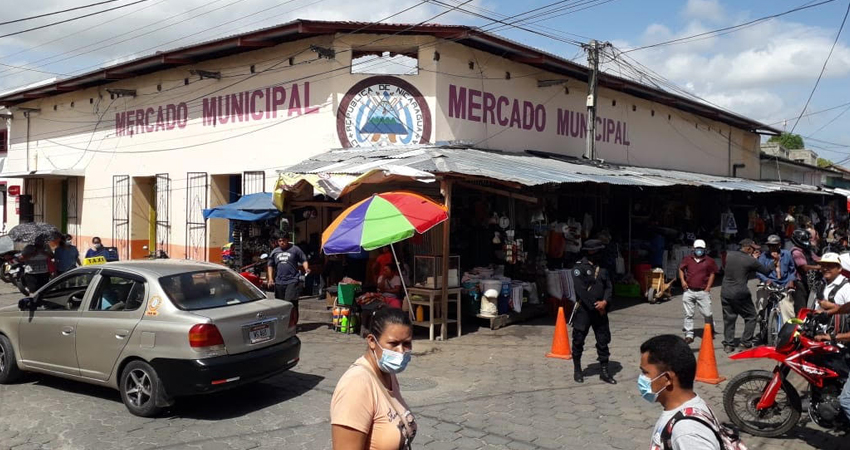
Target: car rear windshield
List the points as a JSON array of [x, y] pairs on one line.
[[209, 289]]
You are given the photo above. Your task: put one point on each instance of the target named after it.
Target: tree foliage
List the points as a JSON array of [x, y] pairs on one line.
[[788, 140], [823, 162]]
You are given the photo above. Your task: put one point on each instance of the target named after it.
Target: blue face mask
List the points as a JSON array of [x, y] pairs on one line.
[[700, 252], [392, 361], [645, 387]]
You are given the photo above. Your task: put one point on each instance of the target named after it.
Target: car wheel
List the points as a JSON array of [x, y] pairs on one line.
[[9, 371], [140, 388]]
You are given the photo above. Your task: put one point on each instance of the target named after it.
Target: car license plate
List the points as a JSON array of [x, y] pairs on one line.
[[260, 333]]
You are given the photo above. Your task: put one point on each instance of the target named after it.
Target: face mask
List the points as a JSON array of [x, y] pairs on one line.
[[392, 361], [98, 246], [645, 388], [699, 253]]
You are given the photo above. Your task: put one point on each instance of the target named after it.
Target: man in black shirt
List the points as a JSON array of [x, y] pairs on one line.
[[283, 271], [593, 289], [735, 294]]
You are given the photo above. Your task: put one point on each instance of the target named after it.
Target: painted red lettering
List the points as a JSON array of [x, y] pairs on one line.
[[307, 100], [457, 101], [540, 118], [148, 127], [236, 107], [209, 112], [223, 109], [489, 108], [170, 116], [278, 98], [294, 101], [120, 123], [159, 120], [182, 114], [474, 104], [503, 118], [527, 115], [609, 128], [140, 120], [516, 116], [256, 115]]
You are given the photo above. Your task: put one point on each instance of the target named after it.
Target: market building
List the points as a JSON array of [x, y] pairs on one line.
[[135, 152]]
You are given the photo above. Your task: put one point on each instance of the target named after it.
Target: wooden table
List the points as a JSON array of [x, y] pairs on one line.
[[432, 294]]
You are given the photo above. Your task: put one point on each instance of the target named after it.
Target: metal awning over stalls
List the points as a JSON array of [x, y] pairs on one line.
[[337, 172]]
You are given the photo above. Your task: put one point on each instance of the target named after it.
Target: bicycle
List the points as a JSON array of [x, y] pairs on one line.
[[769, 314]]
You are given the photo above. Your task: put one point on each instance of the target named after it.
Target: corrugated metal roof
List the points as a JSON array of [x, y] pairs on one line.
[[524, 169]]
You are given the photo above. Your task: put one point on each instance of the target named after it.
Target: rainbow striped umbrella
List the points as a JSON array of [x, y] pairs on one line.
[[380, 220]]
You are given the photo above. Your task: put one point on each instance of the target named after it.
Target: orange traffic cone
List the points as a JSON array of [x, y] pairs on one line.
[[707, 364], [561, 340]]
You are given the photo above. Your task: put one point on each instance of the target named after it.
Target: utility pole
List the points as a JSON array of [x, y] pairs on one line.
[[592, 83]]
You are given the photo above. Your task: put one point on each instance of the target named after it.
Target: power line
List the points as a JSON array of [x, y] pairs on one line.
[[728, 29], [71, 19], [831, 49], [57, 12], [101, 47]]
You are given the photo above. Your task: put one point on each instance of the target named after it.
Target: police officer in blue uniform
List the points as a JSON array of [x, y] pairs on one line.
[[594, 289]]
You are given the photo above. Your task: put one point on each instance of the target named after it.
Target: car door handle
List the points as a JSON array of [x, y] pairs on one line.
[[121, 334], [67, 331]]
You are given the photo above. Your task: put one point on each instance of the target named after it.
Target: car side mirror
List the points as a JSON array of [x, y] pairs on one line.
[[27, 304]]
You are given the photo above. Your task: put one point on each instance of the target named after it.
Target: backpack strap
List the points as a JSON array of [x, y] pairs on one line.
[[837, 289], [688, 414]]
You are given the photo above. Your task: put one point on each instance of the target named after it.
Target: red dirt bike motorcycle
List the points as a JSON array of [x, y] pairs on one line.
[[765, 404]]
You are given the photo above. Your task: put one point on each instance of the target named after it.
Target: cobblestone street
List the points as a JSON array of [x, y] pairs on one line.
[[485, 390]]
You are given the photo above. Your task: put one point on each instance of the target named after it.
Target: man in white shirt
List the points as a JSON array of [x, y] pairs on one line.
[[836, 293], [668, 369], [837, 289]]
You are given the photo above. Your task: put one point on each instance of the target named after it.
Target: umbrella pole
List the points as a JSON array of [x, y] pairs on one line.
[[403, 285]]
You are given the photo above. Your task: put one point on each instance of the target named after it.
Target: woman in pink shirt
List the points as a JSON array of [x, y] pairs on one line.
[[367, 410]]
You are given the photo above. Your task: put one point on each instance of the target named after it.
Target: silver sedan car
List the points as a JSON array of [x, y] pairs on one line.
[[154, 330]]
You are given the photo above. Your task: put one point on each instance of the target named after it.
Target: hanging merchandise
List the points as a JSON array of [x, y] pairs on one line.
[[572, 235], [620, 264], [587, 225], [497, 238], [728, 225], [494, 219], [504, 222]]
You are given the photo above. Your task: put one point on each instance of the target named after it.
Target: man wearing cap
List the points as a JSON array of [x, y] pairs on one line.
[[784, 270], [735, 295], [697, 276], [836, 302], [836, 293], [593, 291]]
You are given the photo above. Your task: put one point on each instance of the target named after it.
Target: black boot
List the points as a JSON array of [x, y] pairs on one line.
[[606, 376], [577, 372]]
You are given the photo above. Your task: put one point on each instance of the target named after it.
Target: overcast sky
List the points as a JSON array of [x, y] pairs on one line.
[[765, 71]]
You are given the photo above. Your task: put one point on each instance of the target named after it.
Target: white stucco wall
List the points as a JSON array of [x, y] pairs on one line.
[[88, 131]]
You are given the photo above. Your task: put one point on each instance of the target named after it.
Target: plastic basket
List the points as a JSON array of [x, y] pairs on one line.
[[345, 295], [627, 290]]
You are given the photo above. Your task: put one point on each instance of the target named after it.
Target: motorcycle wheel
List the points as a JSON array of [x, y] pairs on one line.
[[774, 323], [743, 393]]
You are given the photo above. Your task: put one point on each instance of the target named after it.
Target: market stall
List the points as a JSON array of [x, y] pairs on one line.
[[254, 220], [517, 221]]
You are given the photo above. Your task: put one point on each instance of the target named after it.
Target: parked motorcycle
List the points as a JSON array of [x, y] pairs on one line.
[[765, 403], [159, 254], [252, 272], [12, 272]]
